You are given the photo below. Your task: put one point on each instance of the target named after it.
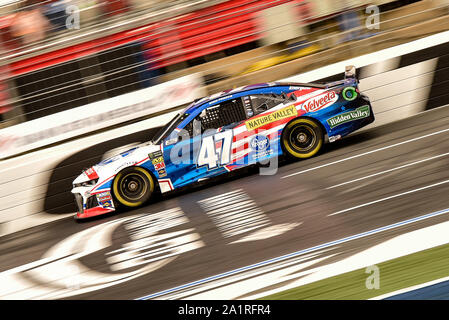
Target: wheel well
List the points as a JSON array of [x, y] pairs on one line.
[[156, 182]]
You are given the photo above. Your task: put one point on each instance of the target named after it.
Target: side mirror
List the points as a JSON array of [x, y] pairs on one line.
[[196, 127], [174, 140], [169, 142]]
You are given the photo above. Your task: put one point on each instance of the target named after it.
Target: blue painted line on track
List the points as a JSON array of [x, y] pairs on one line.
[[438, 291], [297, 253]]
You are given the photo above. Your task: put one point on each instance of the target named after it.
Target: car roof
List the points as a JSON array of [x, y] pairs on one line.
[[218, 96]]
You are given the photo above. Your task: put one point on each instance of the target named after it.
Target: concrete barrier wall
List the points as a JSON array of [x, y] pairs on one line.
[[401, 81], [72, 123]]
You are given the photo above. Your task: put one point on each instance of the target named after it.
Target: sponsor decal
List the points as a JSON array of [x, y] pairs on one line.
[[106, 204], [91, 174], [155, 154], [157, 160], [127, 153], [224, 98], [357, 114], [283, 113], [162, 173], [104, 199], [125, 164], [108, 161], [158, 163], [159, 166], [259, 143], [104, 196], [349, 93], [261, 146], [262, 154], [334, 138], [319, 102]]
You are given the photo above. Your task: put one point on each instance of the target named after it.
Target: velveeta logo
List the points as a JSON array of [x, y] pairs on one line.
[[283, 113], [319, 102]]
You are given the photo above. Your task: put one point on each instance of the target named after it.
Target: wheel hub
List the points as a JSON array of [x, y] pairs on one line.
[[132, 186], [302, 137]]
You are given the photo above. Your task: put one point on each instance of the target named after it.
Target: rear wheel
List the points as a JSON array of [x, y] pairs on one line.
[[302, 138], [133, 187]]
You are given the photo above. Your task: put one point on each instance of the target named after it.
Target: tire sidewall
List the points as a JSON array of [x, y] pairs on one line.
[[304, 122], [147, 178]]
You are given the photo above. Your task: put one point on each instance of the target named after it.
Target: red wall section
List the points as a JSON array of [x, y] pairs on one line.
[[185, 37]]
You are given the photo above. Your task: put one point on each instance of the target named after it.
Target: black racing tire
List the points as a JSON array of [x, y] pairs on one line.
[[302, 138], [132, 187]]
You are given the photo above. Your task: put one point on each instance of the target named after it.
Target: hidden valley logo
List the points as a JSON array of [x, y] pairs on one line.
[[357, 114]]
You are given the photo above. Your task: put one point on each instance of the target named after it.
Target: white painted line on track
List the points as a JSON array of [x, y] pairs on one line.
[[366, 153], [412, 288], [294, 254], [389, 170], [390, 197], [303, 261]]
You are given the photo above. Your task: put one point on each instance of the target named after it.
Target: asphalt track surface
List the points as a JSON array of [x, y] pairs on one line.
[[368, 180]]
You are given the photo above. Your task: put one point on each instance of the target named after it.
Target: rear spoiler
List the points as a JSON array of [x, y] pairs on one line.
[[350, 73]]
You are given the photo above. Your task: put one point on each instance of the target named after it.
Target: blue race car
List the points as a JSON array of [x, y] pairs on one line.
[[222, 133]]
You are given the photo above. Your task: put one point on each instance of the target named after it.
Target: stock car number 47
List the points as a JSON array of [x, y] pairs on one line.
[[222, 133], [208, 155]]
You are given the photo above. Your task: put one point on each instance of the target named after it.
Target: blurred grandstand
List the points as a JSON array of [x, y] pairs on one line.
[[56, 55]]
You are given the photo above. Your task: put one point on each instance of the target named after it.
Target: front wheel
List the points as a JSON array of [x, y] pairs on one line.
[[133, 187], [302, 138]]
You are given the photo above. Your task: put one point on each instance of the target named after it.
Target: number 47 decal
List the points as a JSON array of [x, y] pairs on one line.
[[208, 153]]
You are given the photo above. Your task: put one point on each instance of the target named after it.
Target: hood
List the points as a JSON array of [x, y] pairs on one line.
[[114, 164]]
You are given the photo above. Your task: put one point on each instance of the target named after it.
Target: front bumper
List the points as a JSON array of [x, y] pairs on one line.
[[92, 212], [91, 205]]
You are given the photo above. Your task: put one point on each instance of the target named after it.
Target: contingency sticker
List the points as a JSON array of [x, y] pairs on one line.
[[357, 114], [104, 199], [272, 117], [158, 162]]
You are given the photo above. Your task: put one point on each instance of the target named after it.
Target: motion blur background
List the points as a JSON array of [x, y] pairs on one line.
[[59, 55], [72, 72], [83, 79]]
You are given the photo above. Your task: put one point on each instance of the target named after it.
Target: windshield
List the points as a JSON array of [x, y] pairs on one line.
[[168, 128]]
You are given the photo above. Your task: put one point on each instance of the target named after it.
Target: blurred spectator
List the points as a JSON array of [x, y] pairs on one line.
[[113, 7], [152, 72], [55, 11], [7, 40], [348, 20], [30, 24]]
